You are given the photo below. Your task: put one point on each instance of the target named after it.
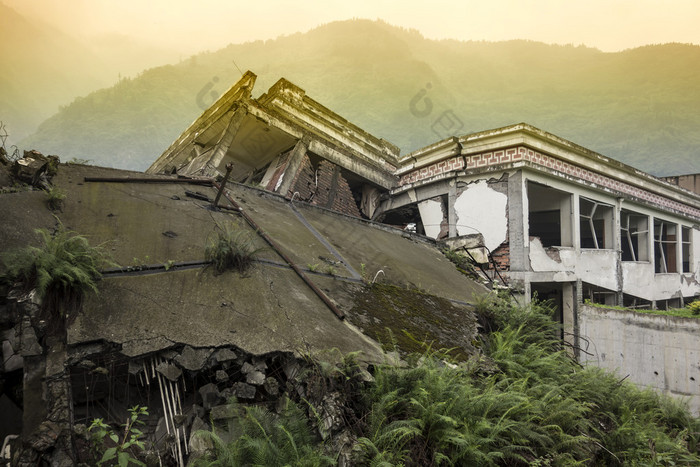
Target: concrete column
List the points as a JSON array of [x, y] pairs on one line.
[[293, 165], [617, 244], [576, 217], [651, 245], [517, 222], [451, 213], [227, 137], [578, 303], [568, 303]]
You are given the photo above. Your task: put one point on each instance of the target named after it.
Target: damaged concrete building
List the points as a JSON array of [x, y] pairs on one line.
[[322, 199], [287, 143], [170, 333], [557, 219], [552, 215]]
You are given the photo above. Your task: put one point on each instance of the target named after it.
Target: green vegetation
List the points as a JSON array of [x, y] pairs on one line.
[[78, 161], [463, 264], [122, 451], [265, 439], [61, 268], [692, 310], [694, 307], [631, 105], [55, 197], [230, 247], [523, 401]]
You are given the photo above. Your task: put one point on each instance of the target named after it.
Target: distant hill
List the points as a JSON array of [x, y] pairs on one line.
[[40, 69], [43, 68], [640, 106]]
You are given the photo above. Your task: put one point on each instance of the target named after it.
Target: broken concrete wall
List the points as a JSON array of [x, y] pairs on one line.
[[661, 352], [481, 208], [433, 214]]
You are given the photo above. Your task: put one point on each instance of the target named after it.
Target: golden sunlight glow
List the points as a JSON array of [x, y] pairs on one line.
[[189, 26]]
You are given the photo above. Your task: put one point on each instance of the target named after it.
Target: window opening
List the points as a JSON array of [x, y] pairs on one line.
[[685, 242], [634, 234], [595, 222], [665, 243], [549, 215]]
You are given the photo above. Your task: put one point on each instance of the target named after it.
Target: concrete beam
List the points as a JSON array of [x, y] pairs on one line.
[[293, 165], [227, 136]]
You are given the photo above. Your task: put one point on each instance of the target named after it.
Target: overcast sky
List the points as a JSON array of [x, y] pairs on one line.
[[191, 26]]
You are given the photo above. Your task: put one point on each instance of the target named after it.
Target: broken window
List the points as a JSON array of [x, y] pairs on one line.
[[665, 246], [549, 215], [634, 236], [685, 246], [600, 295], [596, 224], [406, 217], [630, 301]]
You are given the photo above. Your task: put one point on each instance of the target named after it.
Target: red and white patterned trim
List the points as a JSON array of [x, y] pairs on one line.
[[447, 165], [525, 154]]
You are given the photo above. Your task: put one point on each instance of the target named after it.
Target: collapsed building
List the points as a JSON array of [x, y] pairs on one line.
[[349, 235]]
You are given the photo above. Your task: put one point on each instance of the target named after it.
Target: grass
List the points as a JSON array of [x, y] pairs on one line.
[[230, 248], [690, 311]]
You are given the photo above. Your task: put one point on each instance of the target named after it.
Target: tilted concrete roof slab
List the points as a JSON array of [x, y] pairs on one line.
[[266, 309]]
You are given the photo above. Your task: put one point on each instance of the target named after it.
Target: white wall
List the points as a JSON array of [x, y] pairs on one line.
[[431, 214], [481, 209], [597, 267], [661, 352]]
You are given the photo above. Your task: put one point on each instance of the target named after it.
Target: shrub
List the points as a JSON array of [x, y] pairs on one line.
[[694, 307], [61, 268], [230, 248]]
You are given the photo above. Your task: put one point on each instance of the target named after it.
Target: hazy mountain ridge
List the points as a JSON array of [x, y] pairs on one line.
[[639, 106], [44, 68]]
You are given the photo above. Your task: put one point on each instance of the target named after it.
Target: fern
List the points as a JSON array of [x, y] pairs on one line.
[[61, 269], [265, 439]]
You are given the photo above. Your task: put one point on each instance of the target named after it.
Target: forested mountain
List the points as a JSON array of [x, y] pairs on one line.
[[43, 68], [640, 106]]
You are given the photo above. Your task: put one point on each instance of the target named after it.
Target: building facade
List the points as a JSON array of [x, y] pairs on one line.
[[549, 217], [558, 220]]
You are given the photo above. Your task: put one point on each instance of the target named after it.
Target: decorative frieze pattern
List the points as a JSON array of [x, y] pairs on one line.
[[521, 153]]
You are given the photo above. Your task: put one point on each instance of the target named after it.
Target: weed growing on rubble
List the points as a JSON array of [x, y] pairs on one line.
[[54, 198], [122, 450], [61, 269], [230, 247]]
